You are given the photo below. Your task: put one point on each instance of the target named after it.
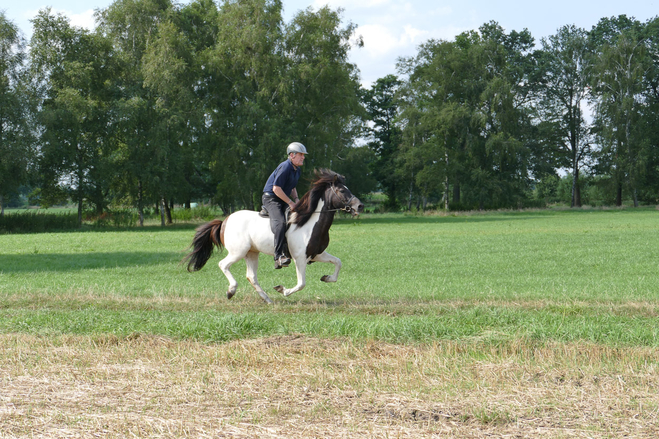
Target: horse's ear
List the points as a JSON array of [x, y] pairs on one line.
[[336, 178]]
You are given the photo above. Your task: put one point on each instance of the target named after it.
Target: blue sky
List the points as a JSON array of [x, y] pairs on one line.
[[394, 28]]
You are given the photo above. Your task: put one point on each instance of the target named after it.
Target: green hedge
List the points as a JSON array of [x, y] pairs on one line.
[[37, 222]]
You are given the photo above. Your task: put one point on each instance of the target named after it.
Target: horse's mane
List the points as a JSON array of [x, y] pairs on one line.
[[309, 201]]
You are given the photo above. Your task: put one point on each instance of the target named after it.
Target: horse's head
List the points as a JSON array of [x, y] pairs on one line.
[[339, 197], [331, 188]]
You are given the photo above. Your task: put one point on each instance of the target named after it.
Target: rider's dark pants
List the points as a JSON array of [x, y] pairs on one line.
[[276, 208]]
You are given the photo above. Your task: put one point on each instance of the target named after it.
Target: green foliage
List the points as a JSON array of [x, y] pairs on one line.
[[32, 222], [355, 166], [198, 213], [382, 107], [16, 101], [566, 82], [121, 218], [465, 135], [77, 70], [164, 103], [619, 78]]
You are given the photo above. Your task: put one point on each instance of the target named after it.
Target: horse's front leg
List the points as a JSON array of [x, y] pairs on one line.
[[326, 257], [301, 269]]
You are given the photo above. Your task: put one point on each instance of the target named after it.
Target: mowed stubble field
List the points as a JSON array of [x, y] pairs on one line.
[[520, 324]]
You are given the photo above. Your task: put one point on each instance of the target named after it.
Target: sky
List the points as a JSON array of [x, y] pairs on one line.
[[395, 28]]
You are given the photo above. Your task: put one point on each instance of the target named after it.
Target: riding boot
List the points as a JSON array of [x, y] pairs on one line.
[[281, 262]]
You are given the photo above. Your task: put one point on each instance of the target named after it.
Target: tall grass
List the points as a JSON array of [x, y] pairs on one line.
[[487, 325]]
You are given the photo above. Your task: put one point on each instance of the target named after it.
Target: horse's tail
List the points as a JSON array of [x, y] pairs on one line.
[[207, 236]]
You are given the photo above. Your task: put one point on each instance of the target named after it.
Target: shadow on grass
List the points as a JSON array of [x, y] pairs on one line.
[[39, 262], [86, 228]]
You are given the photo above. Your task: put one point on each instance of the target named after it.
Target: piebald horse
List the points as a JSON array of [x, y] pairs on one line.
[[245, 234]]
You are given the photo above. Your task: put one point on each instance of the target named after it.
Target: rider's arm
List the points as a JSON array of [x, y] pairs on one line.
[[280, 193]]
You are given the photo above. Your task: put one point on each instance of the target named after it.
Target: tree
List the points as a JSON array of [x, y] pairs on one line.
[[565, 89], [619, 82], [265, 84], [246, 115], [320, 90], [15, 123], [382, 109], [132, 27], [649, 186], [167, 74], [466, 118], [355, 165], [76, 68], [197, 24], [509, 64]]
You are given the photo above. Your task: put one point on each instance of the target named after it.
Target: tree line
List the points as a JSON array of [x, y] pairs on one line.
[[489, 120], [164, 104]]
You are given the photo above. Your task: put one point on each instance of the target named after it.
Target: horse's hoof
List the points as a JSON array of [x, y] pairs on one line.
[[324, 278], [230, 294], [266, 298], [279, 289]]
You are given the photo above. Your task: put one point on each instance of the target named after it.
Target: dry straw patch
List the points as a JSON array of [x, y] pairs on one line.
[[295, 386]]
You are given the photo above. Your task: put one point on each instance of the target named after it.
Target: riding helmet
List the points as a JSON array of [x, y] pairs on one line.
[[296, 147]]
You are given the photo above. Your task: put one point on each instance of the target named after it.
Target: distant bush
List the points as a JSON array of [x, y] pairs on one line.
[[458, 207], [114, 218], [204, 213], [37, 222]]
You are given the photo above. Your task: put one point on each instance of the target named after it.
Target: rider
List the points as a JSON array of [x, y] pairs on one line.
[[280, 192]]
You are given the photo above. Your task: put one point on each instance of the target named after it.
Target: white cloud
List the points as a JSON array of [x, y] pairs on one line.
[[378, 40], [448, 33], [383, 45], [414, 36], [443, 11], [30, 13], [382, 40], [84, 19]]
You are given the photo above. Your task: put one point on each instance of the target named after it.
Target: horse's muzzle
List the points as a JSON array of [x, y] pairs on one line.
[[356, 207]]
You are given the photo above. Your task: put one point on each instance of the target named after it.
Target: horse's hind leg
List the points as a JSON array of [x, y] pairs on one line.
[[326, 257], [252, 262], [225, 264]]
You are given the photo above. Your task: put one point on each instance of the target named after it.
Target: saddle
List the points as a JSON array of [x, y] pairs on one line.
[[264, 214]]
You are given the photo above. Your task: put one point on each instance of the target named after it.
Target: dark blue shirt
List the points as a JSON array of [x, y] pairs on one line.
[[285, 176]]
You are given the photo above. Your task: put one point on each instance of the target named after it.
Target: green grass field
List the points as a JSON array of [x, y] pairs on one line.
[[535, 295], [546, 275]]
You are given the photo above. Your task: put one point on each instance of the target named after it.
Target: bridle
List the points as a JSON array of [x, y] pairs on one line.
[[346, 206]]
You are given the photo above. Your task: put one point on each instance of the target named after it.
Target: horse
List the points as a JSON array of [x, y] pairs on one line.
[[245, 234]]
